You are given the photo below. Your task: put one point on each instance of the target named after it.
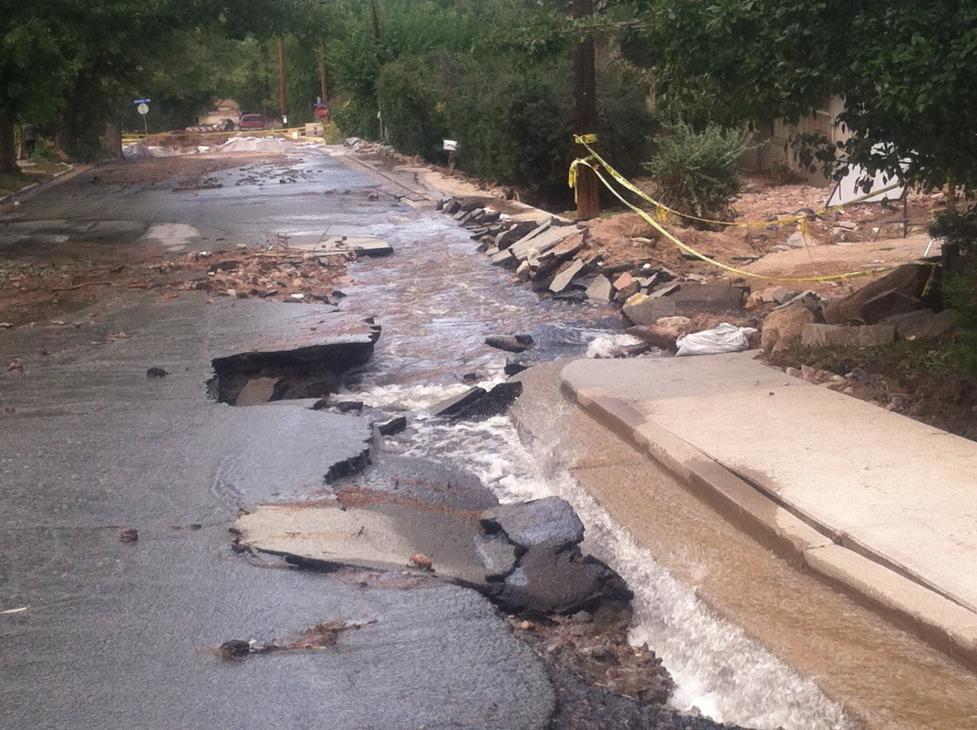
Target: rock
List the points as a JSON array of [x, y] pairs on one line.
[[515, 365], [513, 234], [393, 426], [422, 561], [538, 245], [623, 282], [889, 304], [533, 523], [257, 390], [833, 335], [777, 295], [234, 649], [564, 278], [908, 280], [678, 324], [923, 324], [510, 343], [156, 372], [452, 406], [690, 297], [497, 554], [660, 337], [783, 326], [346, 406], [129, 534], [493, 403], [600, 290], [553, 577], [799, 240]]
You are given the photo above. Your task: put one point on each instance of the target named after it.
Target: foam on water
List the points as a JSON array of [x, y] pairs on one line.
[[717, 668]]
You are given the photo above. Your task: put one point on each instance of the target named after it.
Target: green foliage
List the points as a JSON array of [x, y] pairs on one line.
[[960, 289], [907, 70], [409, 95], [496, 76], [696, 171]]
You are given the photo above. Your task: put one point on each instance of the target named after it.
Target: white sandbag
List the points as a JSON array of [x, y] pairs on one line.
[[724, 338]]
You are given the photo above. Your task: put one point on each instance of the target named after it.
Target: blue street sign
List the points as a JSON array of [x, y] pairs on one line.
[[141, 101]]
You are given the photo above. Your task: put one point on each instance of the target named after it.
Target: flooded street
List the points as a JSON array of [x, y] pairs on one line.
[[92, 446]]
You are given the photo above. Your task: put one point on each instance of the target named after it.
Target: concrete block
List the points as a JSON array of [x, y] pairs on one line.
[[832, 335]]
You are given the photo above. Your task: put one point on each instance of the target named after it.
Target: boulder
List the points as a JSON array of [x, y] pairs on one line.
[[533, 523], [642, 309], [908, 280], [833, 335], [783, 326], [923, 324]]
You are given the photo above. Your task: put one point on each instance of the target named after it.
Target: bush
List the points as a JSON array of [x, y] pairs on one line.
[[409, 95], [960, 287], [696, 171]]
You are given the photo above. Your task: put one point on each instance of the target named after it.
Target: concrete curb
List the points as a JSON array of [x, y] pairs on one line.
[[64, 176], [936, 619]]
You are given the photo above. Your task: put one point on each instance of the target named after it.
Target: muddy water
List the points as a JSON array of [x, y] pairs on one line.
[[437, 301]]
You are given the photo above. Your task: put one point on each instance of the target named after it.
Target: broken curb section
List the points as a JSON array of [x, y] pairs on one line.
[[752, 498]]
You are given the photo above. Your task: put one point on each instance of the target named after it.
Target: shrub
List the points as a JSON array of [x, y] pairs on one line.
[[409, 95], [960, 287], [696, 171]]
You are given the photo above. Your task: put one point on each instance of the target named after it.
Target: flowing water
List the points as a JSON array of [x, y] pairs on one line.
[[437, 300]]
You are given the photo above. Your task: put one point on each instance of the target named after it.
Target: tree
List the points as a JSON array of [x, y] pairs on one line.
[[907, 70]]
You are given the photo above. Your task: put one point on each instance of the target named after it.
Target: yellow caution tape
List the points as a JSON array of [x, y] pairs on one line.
[[799, 219], [691, 251]]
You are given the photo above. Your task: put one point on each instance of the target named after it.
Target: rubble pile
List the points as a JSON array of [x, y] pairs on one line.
[[267, 273]]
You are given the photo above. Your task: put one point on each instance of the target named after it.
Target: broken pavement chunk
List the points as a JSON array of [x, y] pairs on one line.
[[393, 426], [532, 523], [510, 343]]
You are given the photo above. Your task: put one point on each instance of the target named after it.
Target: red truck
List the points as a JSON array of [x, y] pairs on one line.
[[251, 121]]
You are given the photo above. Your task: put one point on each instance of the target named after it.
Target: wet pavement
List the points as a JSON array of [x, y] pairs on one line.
[[123, 634]]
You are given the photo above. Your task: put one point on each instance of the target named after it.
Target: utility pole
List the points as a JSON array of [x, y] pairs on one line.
[[585, 118], [282, 99]]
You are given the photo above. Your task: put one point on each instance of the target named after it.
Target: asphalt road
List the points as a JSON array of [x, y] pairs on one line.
[[122, 635]]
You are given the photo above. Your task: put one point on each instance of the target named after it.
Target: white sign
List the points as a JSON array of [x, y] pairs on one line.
[[143, 109], [450, 145]]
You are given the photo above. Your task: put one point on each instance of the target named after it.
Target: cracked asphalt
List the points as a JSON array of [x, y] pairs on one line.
[[121, 635]]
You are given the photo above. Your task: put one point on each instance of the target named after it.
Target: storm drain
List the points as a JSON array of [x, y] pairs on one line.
[[312, 371]]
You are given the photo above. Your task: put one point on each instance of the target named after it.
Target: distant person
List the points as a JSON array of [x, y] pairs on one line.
[[28, 140]]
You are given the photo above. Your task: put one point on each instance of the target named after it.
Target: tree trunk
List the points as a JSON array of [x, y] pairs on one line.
[[112, 140], [8, 150]]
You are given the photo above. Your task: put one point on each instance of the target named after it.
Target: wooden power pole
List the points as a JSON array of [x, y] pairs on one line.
[[282, 98], [585, 120], [323, 86]]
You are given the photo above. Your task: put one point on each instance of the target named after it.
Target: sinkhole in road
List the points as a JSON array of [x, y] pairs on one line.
[[310, 371]]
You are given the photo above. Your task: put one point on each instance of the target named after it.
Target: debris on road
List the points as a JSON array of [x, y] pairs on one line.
[[393, 426], [724, 338], [156, 372], [129, 534], [319, 636], [510, 343]]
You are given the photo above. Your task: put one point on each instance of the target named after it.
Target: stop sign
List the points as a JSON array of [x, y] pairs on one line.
[[322, 112]]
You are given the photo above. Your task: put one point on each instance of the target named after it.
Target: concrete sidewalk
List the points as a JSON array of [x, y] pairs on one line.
[[875, 501]]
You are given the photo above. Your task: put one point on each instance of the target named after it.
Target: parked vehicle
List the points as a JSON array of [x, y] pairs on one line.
[[251, 121]]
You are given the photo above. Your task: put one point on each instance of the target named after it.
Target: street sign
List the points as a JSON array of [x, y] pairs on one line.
[[143, 109], [141, 101], [450, 145], [321, 112]]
